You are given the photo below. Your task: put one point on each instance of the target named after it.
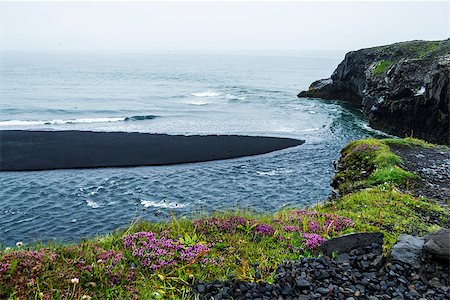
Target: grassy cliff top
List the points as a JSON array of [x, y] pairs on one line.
[[412, 49]]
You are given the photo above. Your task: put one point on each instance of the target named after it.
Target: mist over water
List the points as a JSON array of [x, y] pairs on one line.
[[175, 94]]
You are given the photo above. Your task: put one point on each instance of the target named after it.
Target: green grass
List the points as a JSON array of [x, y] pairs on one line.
[[414, 49], [367, 163], [239, 254], [410, 142], [387, 210], [381, 67], [370, 181]]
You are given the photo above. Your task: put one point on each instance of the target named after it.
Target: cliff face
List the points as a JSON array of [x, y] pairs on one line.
[[403, 88]]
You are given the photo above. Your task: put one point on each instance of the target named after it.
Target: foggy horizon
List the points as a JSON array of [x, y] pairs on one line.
[[216, 26]]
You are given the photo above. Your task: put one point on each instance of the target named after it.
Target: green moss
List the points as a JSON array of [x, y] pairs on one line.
[[428, 49], [413, 49], [381, 67], [369, 179], [367, 163], [409, 142], [386, 209]]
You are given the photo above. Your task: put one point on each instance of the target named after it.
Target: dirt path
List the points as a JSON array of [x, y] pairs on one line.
[[433, 167]]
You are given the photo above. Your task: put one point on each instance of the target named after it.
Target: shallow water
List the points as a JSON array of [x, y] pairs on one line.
[[167, 93]]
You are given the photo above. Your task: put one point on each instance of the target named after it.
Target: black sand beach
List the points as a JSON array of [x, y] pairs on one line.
[[46, 150]]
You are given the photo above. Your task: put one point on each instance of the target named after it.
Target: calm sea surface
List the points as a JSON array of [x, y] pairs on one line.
[[175, 94]]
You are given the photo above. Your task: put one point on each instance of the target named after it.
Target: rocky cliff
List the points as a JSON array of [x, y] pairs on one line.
[[403, 88]]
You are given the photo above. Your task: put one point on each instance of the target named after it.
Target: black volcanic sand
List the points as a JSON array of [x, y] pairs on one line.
[[45, 150]]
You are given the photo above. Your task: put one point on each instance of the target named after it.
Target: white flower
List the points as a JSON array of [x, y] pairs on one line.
[[74, 280], [19, 244], [86, 297], [7, 249]]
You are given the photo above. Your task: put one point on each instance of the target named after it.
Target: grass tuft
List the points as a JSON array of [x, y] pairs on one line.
[[381, 67]]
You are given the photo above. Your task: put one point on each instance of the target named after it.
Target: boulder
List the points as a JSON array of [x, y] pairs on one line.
[[346, 243], [408, 249], [438, 244]]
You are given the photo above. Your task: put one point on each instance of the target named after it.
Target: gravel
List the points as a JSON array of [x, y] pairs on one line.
[[362, 275]]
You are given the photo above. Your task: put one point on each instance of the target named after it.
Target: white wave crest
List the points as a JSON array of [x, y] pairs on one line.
[[207, 93], [92, 204], [200, 103], [162, 204], [59, 121], [310, 129], [274, 172], [234, 97]]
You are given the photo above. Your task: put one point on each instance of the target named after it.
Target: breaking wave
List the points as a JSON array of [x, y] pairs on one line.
[[162, 204], [74, 121], [207, 93]]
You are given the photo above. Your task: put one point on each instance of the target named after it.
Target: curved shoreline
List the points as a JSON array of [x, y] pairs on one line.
[[23, 150]]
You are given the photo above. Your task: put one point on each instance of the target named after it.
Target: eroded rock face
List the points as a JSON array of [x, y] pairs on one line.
[[403, 88]]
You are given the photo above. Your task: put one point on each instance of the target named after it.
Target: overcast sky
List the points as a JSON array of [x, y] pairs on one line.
[[178, 26]]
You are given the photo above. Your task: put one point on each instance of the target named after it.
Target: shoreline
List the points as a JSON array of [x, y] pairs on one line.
[[26, 150]]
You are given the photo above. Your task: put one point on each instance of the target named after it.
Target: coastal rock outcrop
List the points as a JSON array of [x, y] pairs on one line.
[[403, 88]]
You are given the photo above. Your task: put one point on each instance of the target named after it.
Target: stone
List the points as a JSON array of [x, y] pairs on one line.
[[434, 282], [408, 249], [438, 244], [302, 283], [346, 243]]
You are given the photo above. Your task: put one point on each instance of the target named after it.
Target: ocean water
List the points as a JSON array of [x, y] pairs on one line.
[[174, 93]]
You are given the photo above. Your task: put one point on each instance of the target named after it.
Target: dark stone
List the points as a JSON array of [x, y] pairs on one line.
[[302, 283], [346, 243], [438, 244], [323, 291], [408, 249], [200, 288]]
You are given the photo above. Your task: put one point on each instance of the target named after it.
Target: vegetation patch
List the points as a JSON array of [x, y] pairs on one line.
[[160, 260], [381, 67], [370, 179], [367, 163], [386, 209]]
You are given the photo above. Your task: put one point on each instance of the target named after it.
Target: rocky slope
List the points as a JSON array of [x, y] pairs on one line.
[[403, 88]]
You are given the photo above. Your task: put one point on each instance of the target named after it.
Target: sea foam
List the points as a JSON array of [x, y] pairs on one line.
[[207, 93], [74, 121], [162, 204]]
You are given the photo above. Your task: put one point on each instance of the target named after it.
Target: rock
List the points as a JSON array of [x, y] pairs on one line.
[[408, 249], [323, 291], [302, 283], [438, 244], [403, 88], [434, 282], [346, 243], [323, 278], [200, 288]]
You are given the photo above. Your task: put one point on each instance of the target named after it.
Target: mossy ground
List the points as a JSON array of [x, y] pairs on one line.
[[374, 189], [381, 67], [239, 245]]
